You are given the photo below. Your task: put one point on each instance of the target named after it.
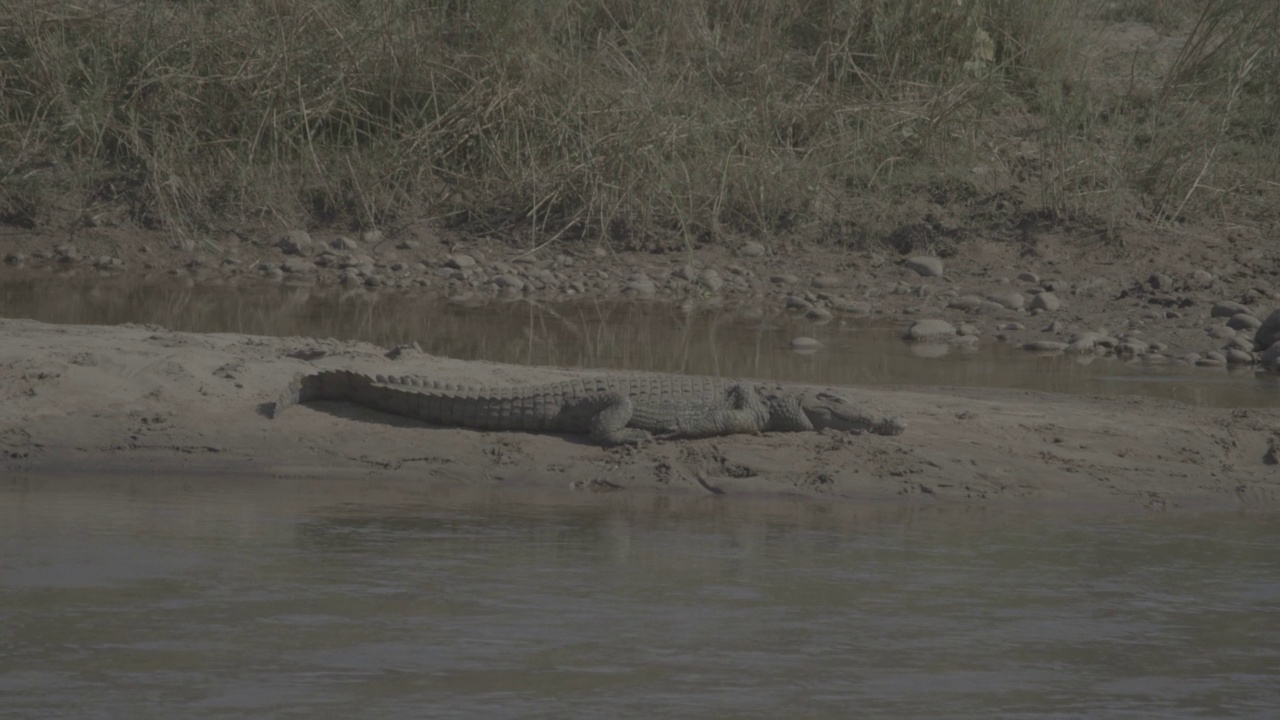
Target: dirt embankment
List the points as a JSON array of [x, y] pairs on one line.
[[136, 399]]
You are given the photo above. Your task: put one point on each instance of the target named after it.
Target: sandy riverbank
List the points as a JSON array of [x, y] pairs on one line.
[[134, 399]]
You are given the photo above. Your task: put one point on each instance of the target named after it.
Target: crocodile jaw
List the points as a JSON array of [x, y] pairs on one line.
[[831, 409]]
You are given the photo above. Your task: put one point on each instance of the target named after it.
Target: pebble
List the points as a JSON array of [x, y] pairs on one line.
[[784, 279], [297, 265], [1211, 362], [1010, 301], [1203, 278], [372, 237], [929, 329], [967, 303], [1029, 277], [459, 261], [509, 281], [1045, 301], [1160, 281], [1055, 327], [344, 244], [295, 242], [1243, 321], [853, 307], [711, 280], [643, 287], [685, 272], [1236, 356], [752, 249], [1268, 332], [802, 344], [819, 315], [826, 282], [925, 266], [1227, 309], [795, 302], [968, 330], [1013, 326]]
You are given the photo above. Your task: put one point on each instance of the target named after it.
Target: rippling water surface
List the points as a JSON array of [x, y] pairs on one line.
[[200, 597]]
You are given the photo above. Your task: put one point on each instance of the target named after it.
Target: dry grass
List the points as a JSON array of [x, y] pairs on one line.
[[630, 123]]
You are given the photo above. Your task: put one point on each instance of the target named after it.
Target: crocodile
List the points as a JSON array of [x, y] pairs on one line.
[[612, 409]]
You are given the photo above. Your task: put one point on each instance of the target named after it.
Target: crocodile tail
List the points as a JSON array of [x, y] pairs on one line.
[[290, 397]]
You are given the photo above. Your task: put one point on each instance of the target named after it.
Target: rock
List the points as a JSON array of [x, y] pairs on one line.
[[643, 287], [819, 315], [852, 307], [1220, 332], [784, 279], [1227, 308], [1010, 301], [1268, 332], [685, 272], [297, 265], [795, 302], [1236, 356], [968, 330], [826, 282], [1202, 278], [967, 303], [1044, 346], [752, 249], [1243, 321], [1160, 281], [711, 280], [1270, 358], [509, 281], [15, 258], [925, 265], [1029, 277], [459, 261], [1045, 301], [295, 242], [373, 237], [931, 329], [344, 243], [1215, 355], [1131, 348], [1012, 326], [802, 344], [106, 262], [1211, 362], [1055, 327]]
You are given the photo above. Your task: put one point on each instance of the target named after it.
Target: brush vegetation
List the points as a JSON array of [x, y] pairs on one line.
[[638, 124]]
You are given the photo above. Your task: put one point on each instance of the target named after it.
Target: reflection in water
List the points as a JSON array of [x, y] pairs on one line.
[[170, 598], [614, 335]]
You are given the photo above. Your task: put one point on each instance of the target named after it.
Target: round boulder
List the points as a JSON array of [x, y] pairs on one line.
[[930, 329], [925, 266]]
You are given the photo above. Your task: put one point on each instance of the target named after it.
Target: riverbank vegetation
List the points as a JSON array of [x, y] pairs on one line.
[[641, 124]]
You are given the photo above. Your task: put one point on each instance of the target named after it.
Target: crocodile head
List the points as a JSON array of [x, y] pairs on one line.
[[820, 408]]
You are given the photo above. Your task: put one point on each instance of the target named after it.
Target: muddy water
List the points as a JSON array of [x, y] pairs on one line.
[[617, 335], [181, 597]]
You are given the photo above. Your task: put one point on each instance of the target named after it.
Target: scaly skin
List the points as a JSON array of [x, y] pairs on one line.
[[612, 409]]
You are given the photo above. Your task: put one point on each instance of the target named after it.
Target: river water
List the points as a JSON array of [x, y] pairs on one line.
[[198, 597], [619, 335], [158, 597]]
